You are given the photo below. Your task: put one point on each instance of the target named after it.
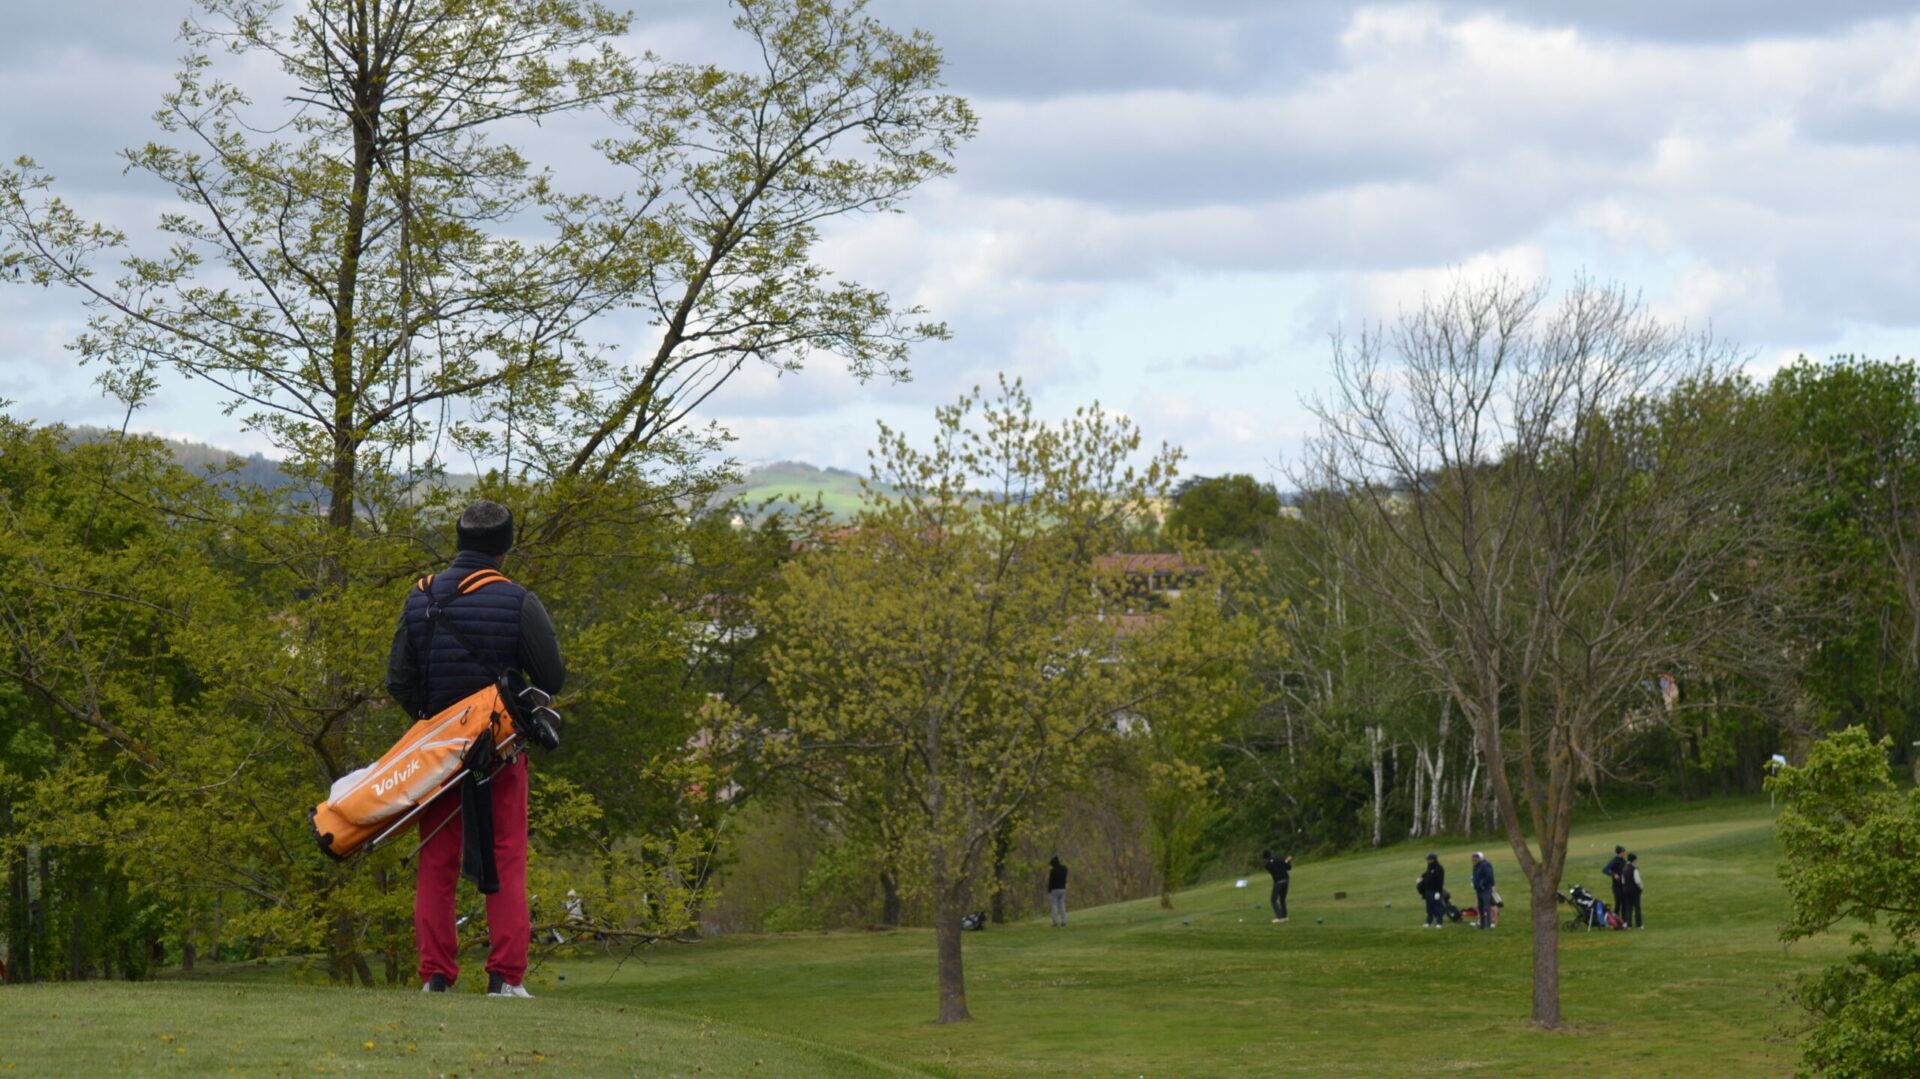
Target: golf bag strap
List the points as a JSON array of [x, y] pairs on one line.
[[437, 619]]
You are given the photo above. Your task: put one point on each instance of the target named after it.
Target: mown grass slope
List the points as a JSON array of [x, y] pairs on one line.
[[1214, 989], [1210, 989]]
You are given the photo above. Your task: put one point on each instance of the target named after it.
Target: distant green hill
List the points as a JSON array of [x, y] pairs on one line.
[[837, 488], [254, 468], [198, 457]]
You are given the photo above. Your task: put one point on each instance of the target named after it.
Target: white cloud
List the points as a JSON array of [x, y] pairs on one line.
[[1748, 164]]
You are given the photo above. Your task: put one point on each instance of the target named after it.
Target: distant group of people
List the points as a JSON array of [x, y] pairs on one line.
[[1432, 886], [1623, 871]]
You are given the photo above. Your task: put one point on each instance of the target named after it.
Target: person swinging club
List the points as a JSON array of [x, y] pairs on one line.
[[460, 631]]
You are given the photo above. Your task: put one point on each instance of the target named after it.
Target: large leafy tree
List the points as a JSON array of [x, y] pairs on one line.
[[1853, 429], [365, 265], [91, 598]]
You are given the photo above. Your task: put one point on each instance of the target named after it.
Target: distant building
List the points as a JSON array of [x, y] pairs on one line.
[[1145, 582]]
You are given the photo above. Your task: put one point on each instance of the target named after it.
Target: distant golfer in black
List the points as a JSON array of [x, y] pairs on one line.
[[1057, 891], [1432, 886], [1280, 869], [1616, 872]]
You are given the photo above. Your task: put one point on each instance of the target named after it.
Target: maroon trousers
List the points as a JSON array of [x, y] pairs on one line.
[[439, 877]]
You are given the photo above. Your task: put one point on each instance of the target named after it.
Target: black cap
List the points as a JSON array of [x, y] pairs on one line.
[[486, 527], [1433, 857], [1633, 857], [1619, 849]]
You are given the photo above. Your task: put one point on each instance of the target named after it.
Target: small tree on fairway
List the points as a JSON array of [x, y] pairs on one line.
[[1551, 507], [948, 657]]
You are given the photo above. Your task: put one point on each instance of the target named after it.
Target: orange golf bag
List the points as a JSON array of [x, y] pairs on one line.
[[366, 806], [478, 733]]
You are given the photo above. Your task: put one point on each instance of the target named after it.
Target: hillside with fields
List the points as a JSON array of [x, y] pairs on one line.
[[770, 487]]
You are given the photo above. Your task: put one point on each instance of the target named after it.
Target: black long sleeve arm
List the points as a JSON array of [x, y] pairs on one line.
[[403, 679], [540, 648]]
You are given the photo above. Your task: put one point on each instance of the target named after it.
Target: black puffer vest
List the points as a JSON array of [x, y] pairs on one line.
[[488, 617]]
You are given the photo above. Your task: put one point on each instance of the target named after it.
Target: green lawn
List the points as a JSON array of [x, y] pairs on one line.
[[1211, 989]]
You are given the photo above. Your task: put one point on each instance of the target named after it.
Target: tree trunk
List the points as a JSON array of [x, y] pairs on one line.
[[79, 915], [1546, 954], [344, 961], [1002, 846], [19, 922], [1466, 798], [1436, 786], [1419, 794], [953, 979], [40, 914], [391, 954], [1376, 745], [889, 898]]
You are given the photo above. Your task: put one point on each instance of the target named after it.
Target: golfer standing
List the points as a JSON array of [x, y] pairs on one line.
[[485, 622], [1057, 892], [1483, 889], [1630, 889], [1432, 886], [1616, 871], [1281, 869]]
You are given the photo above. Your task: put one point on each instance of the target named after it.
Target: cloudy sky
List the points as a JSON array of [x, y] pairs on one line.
[[1172, 203]]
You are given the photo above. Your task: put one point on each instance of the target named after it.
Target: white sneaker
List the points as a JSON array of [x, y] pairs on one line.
[[512, 991]]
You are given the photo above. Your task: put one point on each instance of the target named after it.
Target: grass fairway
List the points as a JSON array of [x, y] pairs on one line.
[[1210, 989], [249, 1027]]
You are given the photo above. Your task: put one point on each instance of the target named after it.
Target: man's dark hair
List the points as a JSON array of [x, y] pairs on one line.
[[486, 527]]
